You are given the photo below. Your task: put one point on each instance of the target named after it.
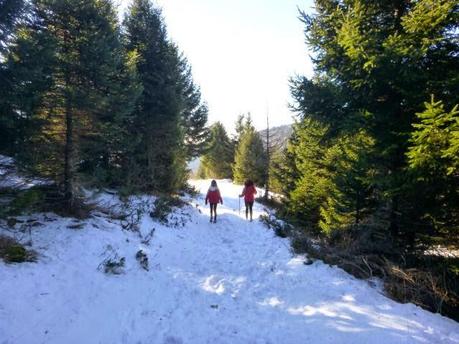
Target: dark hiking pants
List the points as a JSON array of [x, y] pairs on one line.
[[213, 212], [248, 209]]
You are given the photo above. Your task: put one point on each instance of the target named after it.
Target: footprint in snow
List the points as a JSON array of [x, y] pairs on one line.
[[173, 340], [227, 241]]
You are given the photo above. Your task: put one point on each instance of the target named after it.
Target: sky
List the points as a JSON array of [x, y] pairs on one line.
[[242, 53]]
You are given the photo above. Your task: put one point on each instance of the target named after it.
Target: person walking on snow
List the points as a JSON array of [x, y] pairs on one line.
[[213, 197], [249, 193]]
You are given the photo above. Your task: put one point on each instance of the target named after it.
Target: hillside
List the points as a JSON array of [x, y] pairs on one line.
[[278, 135]]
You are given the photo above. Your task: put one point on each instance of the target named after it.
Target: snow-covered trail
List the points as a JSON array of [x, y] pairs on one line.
[[229, 282]]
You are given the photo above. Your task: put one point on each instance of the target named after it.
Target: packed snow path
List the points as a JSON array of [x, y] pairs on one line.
[[229, 282]]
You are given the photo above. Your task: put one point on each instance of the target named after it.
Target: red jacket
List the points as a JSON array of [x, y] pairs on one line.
[[249, 193], [213, 196]]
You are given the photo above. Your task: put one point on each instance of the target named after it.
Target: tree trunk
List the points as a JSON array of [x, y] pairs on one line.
[[68, 153], [69, 145], [357, 208], [268, 158]]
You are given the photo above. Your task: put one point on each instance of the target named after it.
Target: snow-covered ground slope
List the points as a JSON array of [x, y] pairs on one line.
[[229, 282]]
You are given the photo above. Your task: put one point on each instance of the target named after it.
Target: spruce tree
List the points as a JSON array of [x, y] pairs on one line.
[[376, 63], [302, 174], [75, 75], [156, 127], [433, 158], [239, 126], [250, 158], [194, 112], [348, 194], [218, 157], [169, 125], [11, 11]]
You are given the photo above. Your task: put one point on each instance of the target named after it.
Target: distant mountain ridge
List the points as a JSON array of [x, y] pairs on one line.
[[279, 136]]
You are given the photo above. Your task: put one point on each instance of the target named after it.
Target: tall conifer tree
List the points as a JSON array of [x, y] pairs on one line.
[[71, 60], [11, 11], [170, 119], [250, 157], [217, 161], [376, 63]]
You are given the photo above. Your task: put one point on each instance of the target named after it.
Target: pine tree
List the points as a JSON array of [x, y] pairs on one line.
[[239, 126], [156, 160], [302, 173], [194, 114], [434, 162], [169, 125], [11, 11], [435, 141], [279, 171], [376, 62], [250, 157], [274, 152], [268, 150], [81, 98], [218, 158], [348, 195]]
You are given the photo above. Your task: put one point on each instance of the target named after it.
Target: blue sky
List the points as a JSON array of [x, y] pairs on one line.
[[242, 52]]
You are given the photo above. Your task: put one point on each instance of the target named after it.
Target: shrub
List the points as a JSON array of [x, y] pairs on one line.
[[430, 283], [43, 198], [270, 202], [280, 228], [301, 244], [190, 190], [27, 200], [16, 202], [163, 206], [114, 266], [142, 258], [113, 263], [146, 239], [13, 252]]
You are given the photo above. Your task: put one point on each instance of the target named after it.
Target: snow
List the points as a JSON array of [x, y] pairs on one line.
[[229, 282], [10, 178]]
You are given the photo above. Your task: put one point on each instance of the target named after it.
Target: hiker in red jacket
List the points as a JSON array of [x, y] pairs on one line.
[[213, 197], [249, 193]]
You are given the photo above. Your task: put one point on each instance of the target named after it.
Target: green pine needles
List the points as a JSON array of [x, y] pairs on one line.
[[366, 151], [90, 101], [250, 160]]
